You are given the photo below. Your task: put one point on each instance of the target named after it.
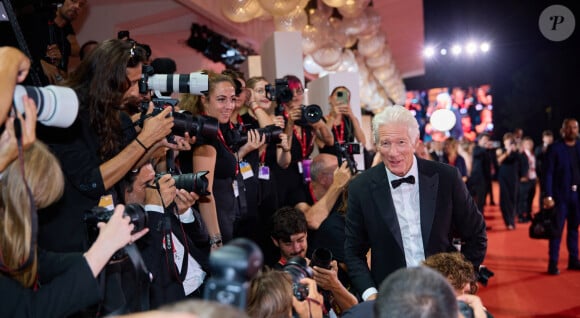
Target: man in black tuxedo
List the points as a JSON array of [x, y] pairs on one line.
[[406, 208]]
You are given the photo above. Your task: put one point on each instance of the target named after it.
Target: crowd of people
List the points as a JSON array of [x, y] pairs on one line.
[[249, 164]]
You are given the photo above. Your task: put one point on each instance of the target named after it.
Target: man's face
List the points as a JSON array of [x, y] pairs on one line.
[[296, 247], [570, 130], [396, 148], [134, 75], [483, 141], [71, 9], [145, 175]]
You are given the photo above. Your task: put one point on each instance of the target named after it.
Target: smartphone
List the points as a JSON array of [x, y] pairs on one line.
[[342, 97]]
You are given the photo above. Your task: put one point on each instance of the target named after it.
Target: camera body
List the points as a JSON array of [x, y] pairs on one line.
[[232, 267], [464, 309], [298, 269], [190, 182], [98, 214], [346, 151], [280, 92]]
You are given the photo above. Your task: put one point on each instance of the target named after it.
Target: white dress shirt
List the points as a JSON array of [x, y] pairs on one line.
[[195, 275], [407, 206]]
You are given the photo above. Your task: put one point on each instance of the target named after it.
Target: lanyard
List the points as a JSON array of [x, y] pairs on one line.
[[302, 140], [223, 141], [339, 131]]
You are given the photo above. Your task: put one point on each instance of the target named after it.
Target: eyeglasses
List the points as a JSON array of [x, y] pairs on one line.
[[298, 91]]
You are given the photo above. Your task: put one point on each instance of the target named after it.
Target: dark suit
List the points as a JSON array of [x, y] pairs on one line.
[[371, 221], [558, 181]]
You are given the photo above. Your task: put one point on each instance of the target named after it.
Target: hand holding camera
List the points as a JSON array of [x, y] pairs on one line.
[[311, 305], [471, 306], [162, 192], [327, 278], [156, 128], [27, 128], [116, 233]]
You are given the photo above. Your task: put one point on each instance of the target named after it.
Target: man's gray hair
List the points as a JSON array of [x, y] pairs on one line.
[[416, 292], [396, 115]]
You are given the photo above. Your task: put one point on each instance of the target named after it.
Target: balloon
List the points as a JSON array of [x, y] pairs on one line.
[[310, 66], [240, 11], [442, 119], [279, 7]]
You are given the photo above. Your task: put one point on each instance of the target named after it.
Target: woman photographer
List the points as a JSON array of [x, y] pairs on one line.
[[341, 120], [301, 139], [227, 203], [38, 283], [271, 296]]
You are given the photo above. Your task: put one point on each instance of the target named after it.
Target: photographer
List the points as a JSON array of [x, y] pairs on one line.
[[14, 65], [289, 234], [180, 271], [301, 139], [341, 121], [35, 283], [508, 176], [271, 295], [102, 145]]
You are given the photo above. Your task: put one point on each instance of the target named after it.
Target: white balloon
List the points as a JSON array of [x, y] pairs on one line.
[[443, 119], [310, 66]]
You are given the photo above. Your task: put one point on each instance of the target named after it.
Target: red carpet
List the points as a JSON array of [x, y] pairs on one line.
[[521, 287]]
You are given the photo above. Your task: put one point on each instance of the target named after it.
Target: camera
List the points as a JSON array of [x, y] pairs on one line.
[[190, 182], [239, 137], [321, 257], [99, 214], [56, 106], [298, 269], [232, 267], [346, 151], [280, 92], [196, 126], [464, 309], [310, 115]]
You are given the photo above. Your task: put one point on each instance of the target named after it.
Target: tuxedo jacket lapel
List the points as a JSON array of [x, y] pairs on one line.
[[381, 194], [428, 187]]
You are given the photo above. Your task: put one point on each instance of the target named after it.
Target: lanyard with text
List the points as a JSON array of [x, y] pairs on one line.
[[305, 146]]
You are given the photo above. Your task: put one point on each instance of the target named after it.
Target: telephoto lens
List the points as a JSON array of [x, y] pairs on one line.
[[321, 257], [56, 106]]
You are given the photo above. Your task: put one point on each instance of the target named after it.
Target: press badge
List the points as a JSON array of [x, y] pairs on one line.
[[106, 202], [236, 188], [246, 170], [264, 173]]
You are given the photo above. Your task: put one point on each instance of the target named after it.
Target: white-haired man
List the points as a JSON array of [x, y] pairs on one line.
[[406, 208]]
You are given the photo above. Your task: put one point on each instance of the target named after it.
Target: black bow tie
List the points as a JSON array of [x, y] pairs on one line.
[[398, 182]]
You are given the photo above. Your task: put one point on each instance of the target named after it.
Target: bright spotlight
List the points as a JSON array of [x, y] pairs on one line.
[[443, 51], [484, 47], [471, 48], [429, 51], [456, 49]]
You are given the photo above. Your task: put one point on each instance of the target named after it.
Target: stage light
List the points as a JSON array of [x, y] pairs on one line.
[[471, 47], [443, 119], [484, 47], [456, 49], [429, 51], [443, 51]]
